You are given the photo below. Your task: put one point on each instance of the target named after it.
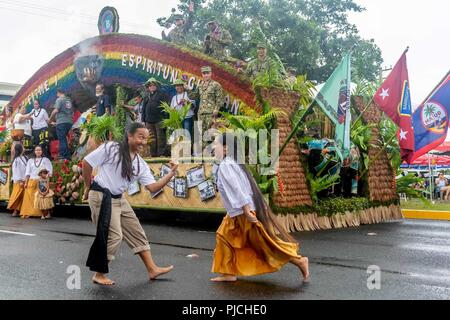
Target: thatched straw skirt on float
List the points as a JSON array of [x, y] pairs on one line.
[[246, 249], [15, 201], [44, 202], [28, 208]]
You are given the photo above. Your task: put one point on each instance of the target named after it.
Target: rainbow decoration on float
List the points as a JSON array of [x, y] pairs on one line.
[[129, 60]]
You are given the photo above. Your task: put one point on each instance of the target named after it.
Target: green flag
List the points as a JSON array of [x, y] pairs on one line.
[[334, 100]]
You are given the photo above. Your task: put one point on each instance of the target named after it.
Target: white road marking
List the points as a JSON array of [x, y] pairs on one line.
[[18, 233]]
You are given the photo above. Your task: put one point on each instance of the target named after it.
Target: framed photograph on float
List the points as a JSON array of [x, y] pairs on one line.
[[3, 177], [206, 190], [195, 176], [155, 194], [180, 189], [214, 172], [134, 188], [165, 170]]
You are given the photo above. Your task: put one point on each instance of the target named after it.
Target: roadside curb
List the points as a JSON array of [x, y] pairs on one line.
[[426, 215]]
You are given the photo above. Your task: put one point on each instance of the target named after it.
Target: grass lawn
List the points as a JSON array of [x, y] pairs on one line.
[[419, 205]]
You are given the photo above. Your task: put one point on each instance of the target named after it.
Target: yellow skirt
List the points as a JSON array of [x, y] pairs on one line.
[[15, 201], [246, 249], [28, 208], [44, 202]]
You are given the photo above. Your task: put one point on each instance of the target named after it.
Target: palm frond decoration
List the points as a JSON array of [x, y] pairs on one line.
[[306, 89], [174, 119], [257, 122], [405, 185], [318, 184], [103, 128]]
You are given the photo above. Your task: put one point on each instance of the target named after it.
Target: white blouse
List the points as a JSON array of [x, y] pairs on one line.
[[109, 174], [234, 187], [35, 165], [176, 103], [19, 167], [40, 119], [25, 125]]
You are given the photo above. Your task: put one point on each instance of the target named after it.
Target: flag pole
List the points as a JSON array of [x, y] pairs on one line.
[[361, 114], [430, 177], [380, 152], [296, 127]]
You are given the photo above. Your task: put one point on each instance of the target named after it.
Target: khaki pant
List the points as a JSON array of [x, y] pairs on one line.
[[124, 225]]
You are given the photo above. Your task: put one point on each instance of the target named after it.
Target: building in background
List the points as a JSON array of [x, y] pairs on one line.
[[7, 92]]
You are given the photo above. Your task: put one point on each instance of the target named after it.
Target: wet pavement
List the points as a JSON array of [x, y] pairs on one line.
[[39, 260]]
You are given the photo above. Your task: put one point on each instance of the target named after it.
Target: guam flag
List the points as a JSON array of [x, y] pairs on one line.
[[431, 119]]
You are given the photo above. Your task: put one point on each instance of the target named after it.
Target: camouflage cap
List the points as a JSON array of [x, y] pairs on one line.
[[179, 82], [261, 45], [177, 17], [152, 80], [206, 69]]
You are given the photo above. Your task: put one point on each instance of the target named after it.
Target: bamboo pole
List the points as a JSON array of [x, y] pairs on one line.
[[380, 152]]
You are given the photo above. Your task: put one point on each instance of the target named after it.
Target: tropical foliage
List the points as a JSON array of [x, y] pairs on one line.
[[406, 185], [319, 183], [103, 128], [310, 35]]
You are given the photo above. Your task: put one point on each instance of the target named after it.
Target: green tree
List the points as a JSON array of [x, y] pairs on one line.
[[311, 35]]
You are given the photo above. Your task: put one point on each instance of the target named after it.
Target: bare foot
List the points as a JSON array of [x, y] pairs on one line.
[[15, 214], [159, 272], [304, 268], [102, 280], [225, 278]]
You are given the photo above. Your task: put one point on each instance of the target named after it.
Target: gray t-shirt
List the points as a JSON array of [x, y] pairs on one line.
[[65, 110]]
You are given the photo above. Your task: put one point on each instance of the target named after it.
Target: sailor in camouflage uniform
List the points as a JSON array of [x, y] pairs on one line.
[[211, 97], [178, 34], [261, 64], [217, 41]]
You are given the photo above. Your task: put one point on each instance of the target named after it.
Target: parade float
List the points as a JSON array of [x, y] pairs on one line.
[[124, 62]]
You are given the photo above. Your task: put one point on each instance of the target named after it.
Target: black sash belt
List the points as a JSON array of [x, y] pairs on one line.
[[98, 254]]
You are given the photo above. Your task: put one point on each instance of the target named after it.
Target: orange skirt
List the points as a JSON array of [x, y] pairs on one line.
[[28, 208], [246, 249], [15, 201]]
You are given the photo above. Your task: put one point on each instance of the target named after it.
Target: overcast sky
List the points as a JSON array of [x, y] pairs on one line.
[[32, 33]]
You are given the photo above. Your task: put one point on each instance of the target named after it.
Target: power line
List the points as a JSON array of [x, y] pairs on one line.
[[57, 11]]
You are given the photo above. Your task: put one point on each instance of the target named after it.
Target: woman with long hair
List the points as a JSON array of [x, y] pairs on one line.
[[34, 166], [18, 168], [119, 165], [249, 241]]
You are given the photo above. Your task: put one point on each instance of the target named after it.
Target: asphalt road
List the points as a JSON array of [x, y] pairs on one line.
[[413, 256]]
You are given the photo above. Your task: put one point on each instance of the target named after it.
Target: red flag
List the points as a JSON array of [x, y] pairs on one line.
[[394, 99]]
